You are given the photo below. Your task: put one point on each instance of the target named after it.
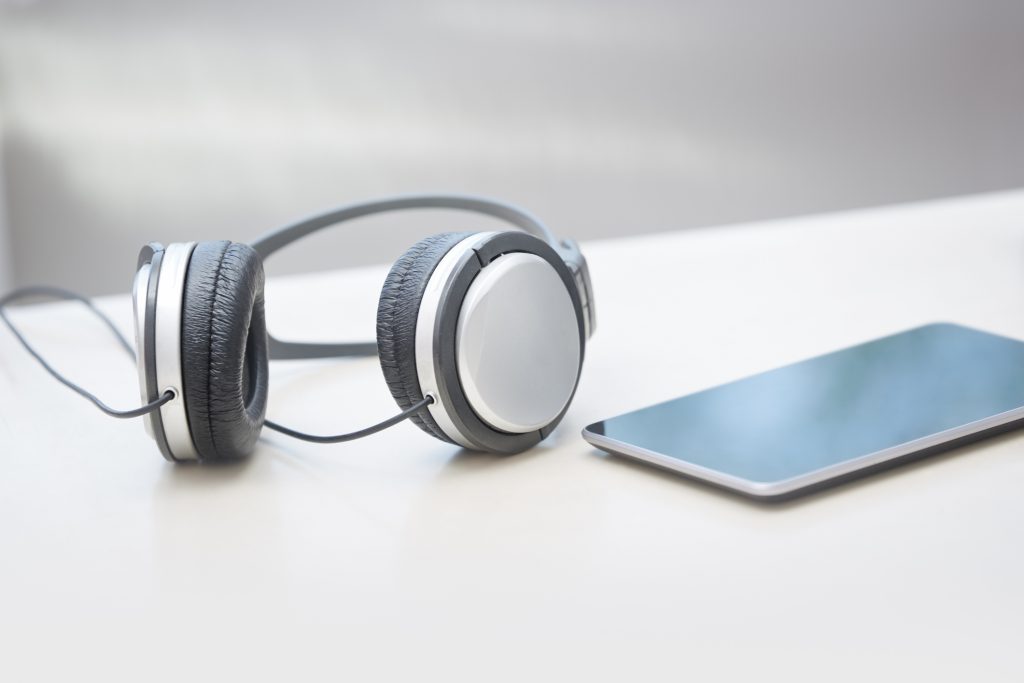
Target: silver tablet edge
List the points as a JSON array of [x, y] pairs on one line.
[[783, 486]]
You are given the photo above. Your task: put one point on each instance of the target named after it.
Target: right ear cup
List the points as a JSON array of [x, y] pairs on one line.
[[224, 349], [396, 322]]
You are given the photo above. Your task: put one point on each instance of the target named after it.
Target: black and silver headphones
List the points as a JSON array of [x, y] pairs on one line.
[[480, 336]]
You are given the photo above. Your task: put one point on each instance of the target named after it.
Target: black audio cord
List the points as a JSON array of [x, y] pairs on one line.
[[339, 438], [58, 293]]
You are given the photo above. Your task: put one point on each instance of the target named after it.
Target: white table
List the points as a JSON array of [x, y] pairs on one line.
[[401, 557]]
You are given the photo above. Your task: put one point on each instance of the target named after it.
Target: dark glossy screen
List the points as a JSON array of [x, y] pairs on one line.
[[829, 409]]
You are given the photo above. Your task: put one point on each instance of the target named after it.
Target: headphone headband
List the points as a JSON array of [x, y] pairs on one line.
[[520, 218], [276, 240]]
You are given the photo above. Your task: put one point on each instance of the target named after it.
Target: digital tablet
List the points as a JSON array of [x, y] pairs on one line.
[[830, 418]]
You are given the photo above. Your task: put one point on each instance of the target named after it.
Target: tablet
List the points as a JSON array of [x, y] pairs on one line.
[[830, 418]]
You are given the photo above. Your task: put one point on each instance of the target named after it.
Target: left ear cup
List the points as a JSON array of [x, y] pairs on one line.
[[224, 349]]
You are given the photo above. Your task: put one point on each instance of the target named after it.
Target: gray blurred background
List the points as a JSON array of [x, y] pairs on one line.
[[125, 122]]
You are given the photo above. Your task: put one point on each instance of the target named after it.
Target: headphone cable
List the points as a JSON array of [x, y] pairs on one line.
[[58, 293], [67, 295], [339, 438]]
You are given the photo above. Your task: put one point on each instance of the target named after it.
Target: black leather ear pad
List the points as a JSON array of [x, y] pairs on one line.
[[397, 312], [224, 349]]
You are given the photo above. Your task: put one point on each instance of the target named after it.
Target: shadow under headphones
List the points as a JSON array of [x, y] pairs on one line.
[[480, 336]]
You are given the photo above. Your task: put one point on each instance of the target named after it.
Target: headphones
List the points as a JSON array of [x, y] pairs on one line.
[[480, 336]]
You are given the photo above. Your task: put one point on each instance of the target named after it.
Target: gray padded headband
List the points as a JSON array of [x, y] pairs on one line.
[[522, 219], [282, 237]]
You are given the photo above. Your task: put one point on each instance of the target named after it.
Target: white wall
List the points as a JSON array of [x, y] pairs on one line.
[[130, 122], [5, 265], [6, 276]]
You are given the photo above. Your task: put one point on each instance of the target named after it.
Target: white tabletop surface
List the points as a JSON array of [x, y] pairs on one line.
[[401, 557]]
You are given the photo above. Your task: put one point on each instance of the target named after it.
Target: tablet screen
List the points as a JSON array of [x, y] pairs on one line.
[[838, 407]]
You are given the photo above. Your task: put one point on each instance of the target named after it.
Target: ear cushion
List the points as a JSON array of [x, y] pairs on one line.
[[224, 349], [397, 312]]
